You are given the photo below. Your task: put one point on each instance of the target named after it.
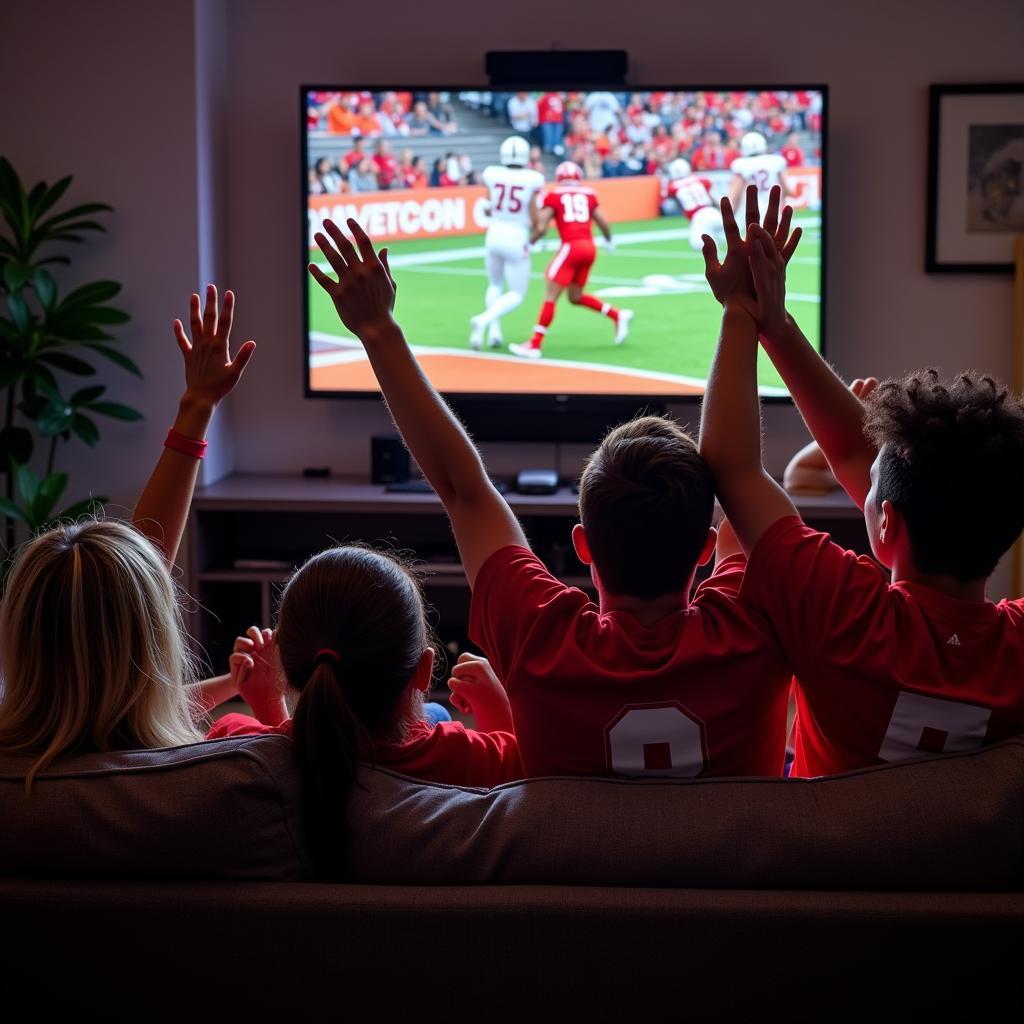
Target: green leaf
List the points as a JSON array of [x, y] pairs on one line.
[[19, 313], [11, 511], [54, 419], [54, 259], [116, 411], [90, 294], [86, 395], [55, 192], [103, 315], [71, 328], [50, 490], [72, 213], [15, 445], [86, 507], [85, 429], [46, 287], [34, 197], [81, 225], [28, 483], [10, 371], [117, 357], [10, 183], [16, 274], [70, 363]]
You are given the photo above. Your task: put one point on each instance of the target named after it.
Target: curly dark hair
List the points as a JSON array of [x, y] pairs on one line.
[[952, 463], [646, 502]]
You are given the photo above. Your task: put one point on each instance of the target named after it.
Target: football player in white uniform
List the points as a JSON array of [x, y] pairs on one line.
[[512, 192], [756, 166]]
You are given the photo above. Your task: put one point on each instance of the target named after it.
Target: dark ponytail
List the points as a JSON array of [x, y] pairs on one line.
[[351, 631], [327, 738]]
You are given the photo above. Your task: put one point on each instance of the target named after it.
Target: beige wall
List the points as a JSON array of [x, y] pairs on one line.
[[122, 94]]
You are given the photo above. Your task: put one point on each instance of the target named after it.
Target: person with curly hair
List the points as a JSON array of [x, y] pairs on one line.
[[902, 655]]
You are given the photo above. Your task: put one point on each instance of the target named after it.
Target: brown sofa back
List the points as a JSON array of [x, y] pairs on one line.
[[223, 809], [953, 821]]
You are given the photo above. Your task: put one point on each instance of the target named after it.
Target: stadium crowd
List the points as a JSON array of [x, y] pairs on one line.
[[608, 134], [616, 134]]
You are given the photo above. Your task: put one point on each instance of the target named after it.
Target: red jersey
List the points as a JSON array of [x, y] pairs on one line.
[[387, 168], [574, 207], [692, 192], [550, 109], [704, 691], [885, 671], [793, 155], [447, 752]]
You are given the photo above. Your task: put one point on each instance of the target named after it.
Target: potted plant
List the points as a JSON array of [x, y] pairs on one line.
[[47, 340]]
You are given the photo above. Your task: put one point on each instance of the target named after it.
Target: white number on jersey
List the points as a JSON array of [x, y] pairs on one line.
[[929, 725], [662, 740], [575, 208], [691, 193]]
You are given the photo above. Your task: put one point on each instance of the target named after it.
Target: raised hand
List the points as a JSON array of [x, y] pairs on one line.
[[210, 372], [364, 294], [253, 665], [476, 691], [732, 280]]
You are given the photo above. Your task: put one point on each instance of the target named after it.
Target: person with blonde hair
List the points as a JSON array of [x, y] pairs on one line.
[[93, 655]]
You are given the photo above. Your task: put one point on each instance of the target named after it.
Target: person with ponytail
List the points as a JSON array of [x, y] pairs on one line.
[[352, 647], [93, 655]]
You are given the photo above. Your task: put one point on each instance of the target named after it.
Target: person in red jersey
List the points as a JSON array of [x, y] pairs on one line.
[[352, 645], [792, 153], [901, 655], [386, 164], [646, 681], [573, 208], [551, 117]]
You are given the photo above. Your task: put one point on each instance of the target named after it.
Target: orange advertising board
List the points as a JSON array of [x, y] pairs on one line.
[[446, 212]]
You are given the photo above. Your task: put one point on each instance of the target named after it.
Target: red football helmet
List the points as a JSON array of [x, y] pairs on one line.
[[568, 171]]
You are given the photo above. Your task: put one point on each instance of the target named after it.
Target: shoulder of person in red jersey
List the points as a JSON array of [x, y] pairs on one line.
[[921, 663], [560, 655]]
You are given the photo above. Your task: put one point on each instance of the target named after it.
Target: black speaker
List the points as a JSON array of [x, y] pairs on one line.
[[389, 459]]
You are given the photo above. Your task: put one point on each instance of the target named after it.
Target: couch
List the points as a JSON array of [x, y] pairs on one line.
[[163, 885]]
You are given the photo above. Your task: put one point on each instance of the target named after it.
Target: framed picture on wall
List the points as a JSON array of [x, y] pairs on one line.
[[975, 178]]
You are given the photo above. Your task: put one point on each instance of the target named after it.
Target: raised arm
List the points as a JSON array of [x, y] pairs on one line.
[[730, 427], [833, 413], [210, 375], [364, 296]]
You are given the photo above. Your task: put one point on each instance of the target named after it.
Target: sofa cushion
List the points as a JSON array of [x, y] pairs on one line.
[[953, 821], [220, 809]]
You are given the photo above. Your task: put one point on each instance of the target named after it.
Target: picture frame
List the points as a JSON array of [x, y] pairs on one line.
[[975, 177]]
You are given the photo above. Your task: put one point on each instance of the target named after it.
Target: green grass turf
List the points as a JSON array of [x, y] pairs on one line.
[[672, 333]]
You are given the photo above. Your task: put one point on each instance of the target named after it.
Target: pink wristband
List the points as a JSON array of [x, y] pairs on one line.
[[186, 445]]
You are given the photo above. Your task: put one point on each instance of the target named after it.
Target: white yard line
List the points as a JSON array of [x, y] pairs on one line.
[[476, 252], [353, 352]]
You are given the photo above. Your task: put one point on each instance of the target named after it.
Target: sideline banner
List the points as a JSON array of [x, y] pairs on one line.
[[447, 212]]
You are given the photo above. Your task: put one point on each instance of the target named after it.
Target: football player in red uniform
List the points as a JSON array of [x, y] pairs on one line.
[[573, 207]]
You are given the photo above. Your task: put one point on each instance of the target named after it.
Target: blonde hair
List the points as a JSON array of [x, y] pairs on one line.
[[92, 652]]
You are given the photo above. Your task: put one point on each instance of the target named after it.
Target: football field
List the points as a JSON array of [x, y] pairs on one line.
[[652, 270]]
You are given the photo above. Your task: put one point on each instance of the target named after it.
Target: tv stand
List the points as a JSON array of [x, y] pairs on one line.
[[273, 523]]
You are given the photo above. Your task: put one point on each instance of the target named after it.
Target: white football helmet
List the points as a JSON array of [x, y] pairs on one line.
[[515, 150], [679, 168], [753, 144], [568, 171]]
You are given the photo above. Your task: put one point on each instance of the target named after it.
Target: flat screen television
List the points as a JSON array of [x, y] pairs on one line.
[[483, 231]]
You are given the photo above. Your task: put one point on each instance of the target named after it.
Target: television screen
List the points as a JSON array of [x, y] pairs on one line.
[[495, 207]]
